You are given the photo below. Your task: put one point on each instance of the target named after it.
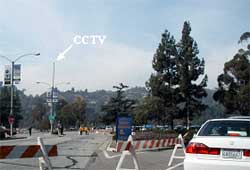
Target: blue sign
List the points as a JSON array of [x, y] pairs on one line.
[[148, 126], [123, 128]]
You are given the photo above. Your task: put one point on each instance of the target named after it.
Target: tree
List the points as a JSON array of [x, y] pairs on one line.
[[234, 84], [39, 111], [72, 114], [118, 105], [78, 110], [65, 114], [244, 37], [162, 84], [5, 106], [189, 69], [150, 109]]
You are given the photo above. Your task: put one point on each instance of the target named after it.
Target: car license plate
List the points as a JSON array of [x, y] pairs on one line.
[[231, 154]]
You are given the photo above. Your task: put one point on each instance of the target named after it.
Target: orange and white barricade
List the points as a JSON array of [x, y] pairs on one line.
[[178, 145], [40, 151], [129, 150], [130, 147], [142, 145]]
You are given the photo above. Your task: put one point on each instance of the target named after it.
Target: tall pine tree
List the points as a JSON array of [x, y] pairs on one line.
[[163, 83], [190, 67], [119, 105]]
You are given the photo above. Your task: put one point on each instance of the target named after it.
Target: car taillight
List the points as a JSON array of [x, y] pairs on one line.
[[233, 134], [199, 148], [246, 153]]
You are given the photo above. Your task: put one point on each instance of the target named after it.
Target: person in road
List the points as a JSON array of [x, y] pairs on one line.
[[61, 129], [30, 130], [59, 126]]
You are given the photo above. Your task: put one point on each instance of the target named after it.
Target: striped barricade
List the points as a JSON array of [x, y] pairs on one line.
[[41, 151], [129, 152], [31, 151], [141, 145], [178, 145]]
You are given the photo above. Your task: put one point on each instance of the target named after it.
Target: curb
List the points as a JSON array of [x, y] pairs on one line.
[[109, 148]]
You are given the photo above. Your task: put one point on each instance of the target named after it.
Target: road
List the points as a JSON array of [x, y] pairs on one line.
[[86, 152], [148, 160], [74, 151]]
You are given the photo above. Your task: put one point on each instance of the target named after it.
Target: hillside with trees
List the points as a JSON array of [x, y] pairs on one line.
[[175, 91]]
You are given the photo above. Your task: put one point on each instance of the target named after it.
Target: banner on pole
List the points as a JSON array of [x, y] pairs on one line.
[[17, 73], [7, 75]]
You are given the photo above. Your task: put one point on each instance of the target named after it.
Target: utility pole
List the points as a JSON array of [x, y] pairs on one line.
[[52, 97], [11, 115], [12, 95]]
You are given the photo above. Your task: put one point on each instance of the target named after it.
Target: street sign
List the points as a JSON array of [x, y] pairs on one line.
[[124, 127], [52, 117], [148, 126], [54, 100], [11, 119], [51, 99]]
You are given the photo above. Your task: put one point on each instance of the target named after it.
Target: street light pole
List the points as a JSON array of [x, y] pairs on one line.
[[52, 86], [12, 83], [52, 97], [11, 95]]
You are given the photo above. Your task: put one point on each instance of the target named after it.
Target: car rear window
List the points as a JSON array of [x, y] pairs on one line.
[[226, 128]]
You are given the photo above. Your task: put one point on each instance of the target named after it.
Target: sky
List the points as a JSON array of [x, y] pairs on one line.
[[133, 31]]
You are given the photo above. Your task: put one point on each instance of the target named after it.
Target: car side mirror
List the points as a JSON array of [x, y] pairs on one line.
[[195, 135]]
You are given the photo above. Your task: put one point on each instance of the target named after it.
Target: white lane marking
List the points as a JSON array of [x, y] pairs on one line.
[[114, 156], [177, 165], [110, 157]]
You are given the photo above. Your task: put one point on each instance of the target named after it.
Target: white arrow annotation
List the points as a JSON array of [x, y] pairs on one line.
[[61, 56]]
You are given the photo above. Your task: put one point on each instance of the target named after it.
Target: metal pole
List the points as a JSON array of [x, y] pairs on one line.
[[12, 83], [248, 85], [116, 127], [11, 96], [52, 96], [53, 88], [51, 122], [188, 119], [188, 114]]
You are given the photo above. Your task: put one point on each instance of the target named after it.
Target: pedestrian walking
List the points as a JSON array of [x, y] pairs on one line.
[[30, 130], [61, 129]]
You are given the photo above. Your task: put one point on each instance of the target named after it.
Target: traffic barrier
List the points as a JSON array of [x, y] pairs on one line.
[[178, 145], [40, 151], [141, 145], [130, 151]]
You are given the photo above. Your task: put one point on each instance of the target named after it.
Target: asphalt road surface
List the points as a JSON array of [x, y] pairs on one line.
[[74, 151], [148, 160], [86, 152]]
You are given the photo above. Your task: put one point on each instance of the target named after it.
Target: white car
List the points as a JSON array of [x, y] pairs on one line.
[[220, 144]]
